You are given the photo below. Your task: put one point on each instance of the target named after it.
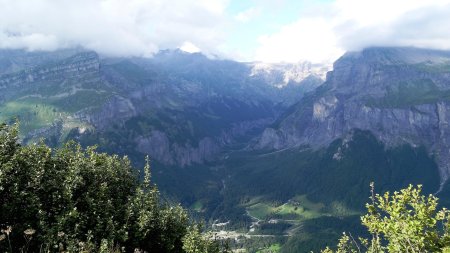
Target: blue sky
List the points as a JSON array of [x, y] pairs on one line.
[[246, 30], [258, 18]]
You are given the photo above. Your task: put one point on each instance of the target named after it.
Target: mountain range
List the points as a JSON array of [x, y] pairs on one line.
[[178, 107], [283, 152]]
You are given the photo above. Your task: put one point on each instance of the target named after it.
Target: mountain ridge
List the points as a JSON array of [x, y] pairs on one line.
[[399, 94]]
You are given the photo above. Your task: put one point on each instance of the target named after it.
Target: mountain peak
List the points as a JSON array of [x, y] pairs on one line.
[[281, 74]]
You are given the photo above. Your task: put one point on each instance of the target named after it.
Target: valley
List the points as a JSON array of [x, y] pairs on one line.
[[271, 157]]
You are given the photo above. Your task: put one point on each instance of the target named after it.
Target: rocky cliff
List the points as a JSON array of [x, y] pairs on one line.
[[401, 95]]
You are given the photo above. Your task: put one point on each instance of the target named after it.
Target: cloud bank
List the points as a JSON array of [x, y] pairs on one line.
[[113, 27], [324, 32], [319, 31]]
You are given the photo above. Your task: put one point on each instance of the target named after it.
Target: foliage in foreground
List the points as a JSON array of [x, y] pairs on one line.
[[405, 221], [76, 200]]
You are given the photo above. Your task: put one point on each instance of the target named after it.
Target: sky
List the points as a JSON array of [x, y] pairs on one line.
[[319, 31]]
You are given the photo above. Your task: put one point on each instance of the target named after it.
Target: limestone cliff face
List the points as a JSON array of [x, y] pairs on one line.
[[158, 145], [72, 66], [399, 94], [116, 109], [50, 77]]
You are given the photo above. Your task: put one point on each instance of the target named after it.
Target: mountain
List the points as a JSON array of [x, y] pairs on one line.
[[179, 108], [400, 95], [283, 74], [267, 152], [380, 116]]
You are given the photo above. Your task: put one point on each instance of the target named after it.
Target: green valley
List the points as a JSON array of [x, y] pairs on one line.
[[267, 165]]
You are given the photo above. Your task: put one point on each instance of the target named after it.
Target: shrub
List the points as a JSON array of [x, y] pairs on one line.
[[405, 221], [77, 200]]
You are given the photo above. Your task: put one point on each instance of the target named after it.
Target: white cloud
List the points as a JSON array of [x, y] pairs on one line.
[[141, 27], [189, 47], [311, 39], [114, 27], [321, 35], [393, 23], [248, 14], [418, 23]]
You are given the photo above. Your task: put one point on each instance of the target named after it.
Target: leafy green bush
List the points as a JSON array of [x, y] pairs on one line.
[[77, 200], [405, 221]]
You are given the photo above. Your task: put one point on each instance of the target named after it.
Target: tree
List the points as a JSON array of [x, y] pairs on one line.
[[78, 200], [405, 221]]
